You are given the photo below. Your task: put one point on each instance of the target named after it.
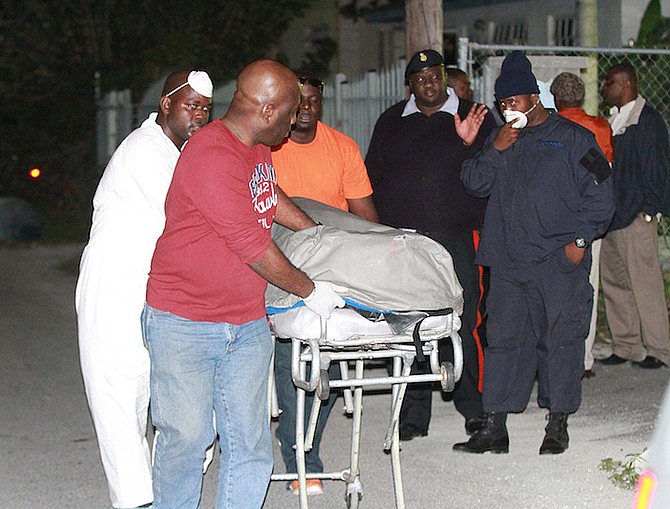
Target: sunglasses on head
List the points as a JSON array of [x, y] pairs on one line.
[[315, 82]]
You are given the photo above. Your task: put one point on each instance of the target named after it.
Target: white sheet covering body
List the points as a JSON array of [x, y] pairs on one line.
[[347, 324], [385, 269], [128, 218]]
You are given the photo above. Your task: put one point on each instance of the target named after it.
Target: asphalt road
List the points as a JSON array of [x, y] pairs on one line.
[[49, 458]]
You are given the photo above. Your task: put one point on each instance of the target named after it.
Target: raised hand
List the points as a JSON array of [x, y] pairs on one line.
[[468, 128]]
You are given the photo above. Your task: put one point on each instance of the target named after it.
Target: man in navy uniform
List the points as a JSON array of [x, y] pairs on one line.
[[550, 195]]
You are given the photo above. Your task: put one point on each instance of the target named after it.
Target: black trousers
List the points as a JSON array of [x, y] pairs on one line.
[[539, 316], [416, 407]]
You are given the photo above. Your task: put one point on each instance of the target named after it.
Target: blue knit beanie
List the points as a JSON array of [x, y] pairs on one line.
[[516, 77]]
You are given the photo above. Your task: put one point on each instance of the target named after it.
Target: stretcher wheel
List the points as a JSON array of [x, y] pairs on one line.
[[448, 381], [323, 386]]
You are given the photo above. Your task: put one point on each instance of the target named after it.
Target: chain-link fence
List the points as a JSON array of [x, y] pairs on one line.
[[652, 65]]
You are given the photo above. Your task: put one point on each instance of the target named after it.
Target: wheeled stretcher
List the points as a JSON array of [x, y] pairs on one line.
[[402, 338], [391, 276]]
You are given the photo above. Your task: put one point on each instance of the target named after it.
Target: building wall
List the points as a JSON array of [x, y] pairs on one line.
[[619, 20], [477, 23], [363, 45], [609, 24], [359, 44], [319, 20], [631, 16]]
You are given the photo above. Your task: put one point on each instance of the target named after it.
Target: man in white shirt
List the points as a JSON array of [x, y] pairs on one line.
[[632, 282]]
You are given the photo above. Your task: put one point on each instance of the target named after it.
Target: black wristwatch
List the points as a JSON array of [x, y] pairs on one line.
[[580, 242]]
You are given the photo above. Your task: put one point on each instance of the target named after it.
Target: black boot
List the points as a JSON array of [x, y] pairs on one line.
[[491, 437], [556, 438], [474, 424]]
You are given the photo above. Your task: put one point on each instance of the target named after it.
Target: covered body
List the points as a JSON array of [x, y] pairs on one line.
[[384, 268]]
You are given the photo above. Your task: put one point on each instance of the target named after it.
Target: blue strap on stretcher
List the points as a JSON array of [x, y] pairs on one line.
[[272, 310]]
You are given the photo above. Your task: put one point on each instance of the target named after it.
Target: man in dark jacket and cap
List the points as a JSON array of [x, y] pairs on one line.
[[414, 161], [550, 194]]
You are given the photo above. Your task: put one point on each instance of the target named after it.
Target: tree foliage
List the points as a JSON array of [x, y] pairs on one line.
[[653, 71], [51, 52], [653, 27]]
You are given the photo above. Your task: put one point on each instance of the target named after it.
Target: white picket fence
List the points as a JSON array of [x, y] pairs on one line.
[[354, 107]]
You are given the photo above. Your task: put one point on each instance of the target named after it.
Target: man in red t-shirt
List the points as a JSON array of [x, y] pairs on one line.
[[568, 90], [204, 322]]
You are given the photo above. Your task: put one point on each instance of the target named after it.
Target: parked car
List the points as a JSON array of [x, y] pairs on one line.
[[19, 220]]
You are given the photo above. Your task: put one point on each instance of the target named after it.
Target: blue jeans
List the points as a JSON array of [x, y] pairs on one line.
[[198, 368], [286, 397]]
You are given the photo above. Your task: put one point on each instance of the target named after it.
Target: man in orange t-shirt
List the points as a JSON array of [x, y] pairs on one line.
[[568, 90], [320, 163], [325, 165]]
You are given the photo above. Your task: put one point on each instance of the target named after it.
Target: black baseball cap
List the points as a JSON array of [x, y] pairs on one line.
[[422, 60]]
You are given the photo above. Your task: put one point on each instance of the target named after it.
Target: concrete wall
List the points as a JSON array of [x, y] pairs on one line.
[[631, 15], [609, 24], [320, 18]]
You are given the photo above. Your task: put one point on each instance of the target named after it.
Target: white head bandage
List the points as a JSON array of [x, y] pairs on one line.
[[198, 81]]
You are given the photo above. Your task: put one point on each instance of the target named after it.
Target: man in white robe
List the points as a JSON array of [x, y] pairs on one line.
[[128, 218]]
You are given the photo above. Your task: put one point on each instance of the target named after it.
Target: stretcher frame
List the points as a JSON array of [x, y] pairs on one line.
[[403, 349]]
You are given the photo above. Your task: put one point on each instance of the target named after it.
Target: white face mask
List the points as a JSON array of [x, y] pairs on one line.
[[520, 117]]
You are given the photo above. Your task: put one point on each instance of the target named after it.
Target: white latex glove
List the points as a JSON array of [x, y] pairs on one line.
[[324, 298]]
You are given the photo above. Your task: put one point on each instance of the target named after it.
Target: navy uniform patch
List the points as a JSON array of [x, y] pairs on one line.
[[555, 144], [596, 164]]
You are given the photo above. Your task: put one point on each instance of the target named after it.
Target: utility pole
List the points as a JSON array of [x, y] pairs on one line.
[[424, 22], [587, 13]]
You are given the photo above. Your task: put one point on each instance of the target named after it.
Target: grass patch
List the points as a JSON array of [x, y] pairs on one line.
[[623, 473]]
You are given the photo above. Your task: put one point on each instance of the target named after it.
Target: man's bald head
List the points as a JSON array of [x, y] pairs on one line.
[[265, 103], [620, 85], [265, 81]]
